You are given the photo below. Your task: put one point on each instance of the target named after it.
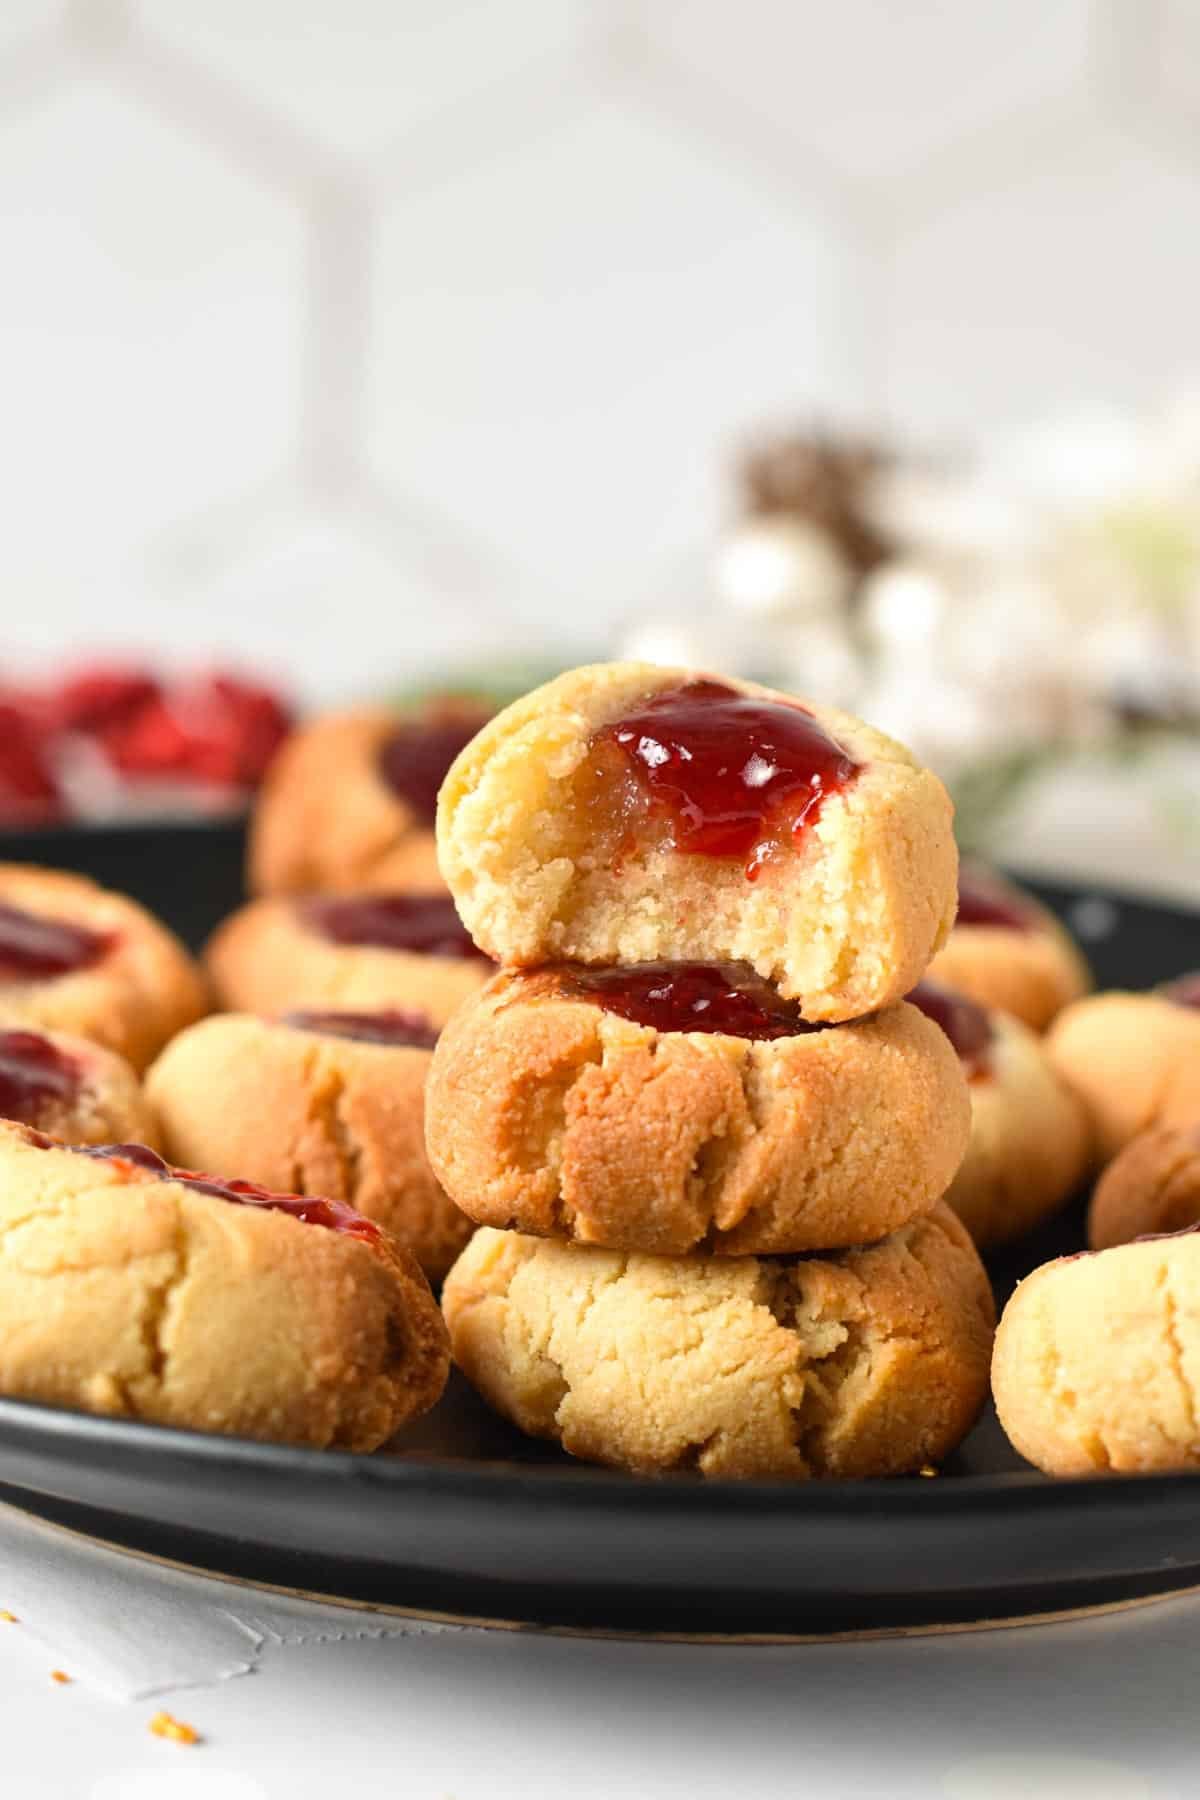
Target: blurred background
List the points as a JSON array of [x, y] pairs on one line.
[[353, 345]]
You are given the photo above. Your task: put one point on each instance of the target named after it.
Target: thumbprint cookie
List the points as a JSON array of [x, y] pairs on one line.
[[75, 957], [674, 1107], [1030, 1144], [349, 953], [135, 1289], [872, 1361], [318, 1103], [1151, 1188], [1008, 952], [70, 1088], [1097, 1361], [1134, 1059], [627, 814], [350, 800]]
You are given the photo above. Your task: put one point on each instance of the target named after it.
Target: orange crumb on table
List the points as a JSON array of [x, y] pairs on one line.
[[177, 1730], [928, 1471], [7, 1618], [61, 1676]]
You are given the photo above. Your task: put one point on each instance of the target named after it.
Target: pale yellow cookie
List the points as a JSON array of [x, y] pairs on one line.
[[349, 801], [1030, 1143], [71, 1088], [550, 1113], [75, 957], [1007, 951], [328, 1104], [126, 1290], [555, 848], [1153, 1186], [1097, 1361], [868, 1362], [274, 955], [1134, 1060]]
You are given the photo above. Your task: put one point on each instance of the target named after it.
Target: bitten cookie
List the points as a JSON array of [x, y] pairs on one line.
[[350, 800], [870, 1362], [1008, 952], [75, 957], [625, 814], [351, 953], [1030, 1144], [71, 1088], [317, 1103], [1152, 1187], [1097, 1361], [130, 1288], [669, 1107], [1134, 1060]]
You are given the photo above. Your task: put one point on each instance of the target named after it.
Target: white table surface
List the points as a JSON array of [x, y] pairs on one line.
[[1101, 1708]]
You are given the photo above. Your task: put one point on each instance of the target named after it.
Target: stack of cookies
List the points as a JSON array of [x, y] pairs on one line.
[[705, 1132]]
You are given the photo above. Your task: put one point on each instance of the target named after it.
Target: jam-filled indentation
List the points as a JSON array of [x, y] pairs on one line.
[[420, 924], [333, 1215], [36, 1077], [730, 774], [36, 948], [982, 900], [394, 1028], [416, 758], [967, 1025], [728, 999]]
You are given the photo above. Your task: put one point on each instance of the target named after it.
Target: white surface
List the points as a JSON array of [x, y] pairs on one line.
[[345, 335], [1100, 1709]]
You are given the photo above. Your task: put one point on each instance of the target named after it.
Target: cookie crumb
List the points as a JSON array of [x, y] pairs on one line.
[[928, 1471], [177, 1730], [7, 1618], [61, 1676]]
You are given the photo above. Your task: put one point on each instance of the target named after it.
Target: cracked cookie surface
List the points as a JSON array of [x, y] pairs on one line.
[[844, 918], [322, 1114], [132, 998], [127, 1294], [548, 1113], [872, 1361], [1097, 1360]]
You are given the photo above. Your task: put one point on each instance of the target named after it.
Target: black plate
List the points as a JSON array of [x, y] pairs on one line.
[[464, 1518]]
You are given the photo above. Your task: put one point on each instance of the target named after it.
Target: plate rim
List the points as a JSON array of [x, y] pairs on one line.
[[416, 1472]]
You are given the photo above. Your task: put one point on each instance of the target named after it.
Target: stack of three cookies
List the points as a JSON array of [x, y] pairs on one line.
[[706, 1133]]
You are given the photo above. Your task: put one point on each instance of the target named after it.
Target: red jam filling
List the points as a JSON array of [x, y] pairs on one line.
[[730, 774], [416, 759], [334, 1215], [35, 1076], [983, 901], [34, 948], [403, 1030], [725, 998], [421, 924], [1184, 992], [966, 1025]]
